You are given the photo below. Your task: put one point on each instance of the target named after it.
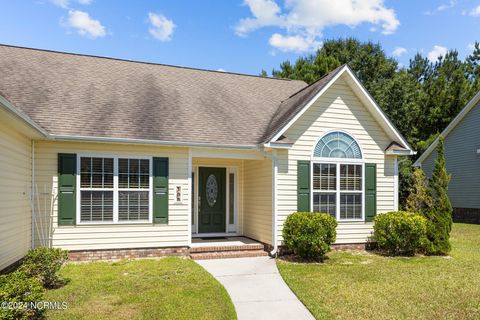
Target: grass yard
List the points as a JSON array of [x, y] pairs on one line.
[[168, 288], [359, 285]]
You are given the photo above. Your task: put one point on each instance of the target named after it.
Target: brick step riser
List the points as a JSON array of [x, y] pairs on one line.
[[226, 248], [228, 254]]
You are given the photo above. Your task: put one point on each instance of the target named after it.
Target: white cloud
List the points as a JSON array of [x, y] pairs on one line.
[[85, 25], [265, 13], [66, 3], [221, 70], [307, 19], [399, 51], [436, 52], [295, 43], [161, 27], [475, 12], [442, 7]]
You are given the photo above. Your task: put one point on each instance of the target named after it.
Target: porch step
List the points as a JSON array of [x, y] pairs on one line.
[[228, 254], [230, 248]]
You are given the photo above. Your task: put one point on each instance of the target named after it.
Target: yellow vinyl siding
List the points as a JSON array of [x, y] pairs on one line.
[[337, 109], [82, 237], [15, 190], [258, 200], [227, 162]]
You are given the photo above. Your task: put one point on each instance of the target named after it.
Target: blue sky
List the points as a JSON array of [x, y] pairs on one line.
[[237, 35]]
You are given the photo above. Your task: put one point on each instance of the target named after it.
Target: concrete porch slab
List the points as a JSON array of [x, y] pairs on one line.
[[222, 241]]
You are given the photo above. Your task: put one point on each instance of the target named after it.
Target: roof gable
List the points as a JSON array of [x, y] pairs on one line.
[[313, 92], [470, 105]]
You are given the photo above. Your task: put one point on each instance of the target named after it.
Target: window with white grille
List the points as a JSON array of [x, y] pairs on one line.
[[133, 188], [114, 190], [337, 177]]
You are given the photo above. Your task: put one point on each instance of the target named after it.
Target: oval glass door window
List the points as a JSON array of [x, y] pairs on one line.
[[212, 190]]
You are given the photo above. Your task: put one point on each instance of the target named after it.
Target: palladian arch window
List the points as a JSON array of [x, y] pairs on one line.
[[337, 177], [337, 145]]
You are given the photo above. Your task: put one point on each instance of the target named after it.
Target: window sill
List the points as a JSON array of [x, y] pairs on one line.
[[350, 221], [109, 224]]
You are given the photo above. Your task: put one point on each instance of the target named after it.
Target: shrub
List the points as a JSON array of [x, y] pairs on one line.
[[420, 197], [438, 234], [440, 215], [400, 232], [309, 234], [18, 288], [44, 264]]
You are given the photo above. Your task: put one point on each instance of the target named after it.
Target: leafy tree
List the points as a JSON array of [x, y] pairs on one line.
[[401, 98], [440, 214], [368, 60], [405, 176]]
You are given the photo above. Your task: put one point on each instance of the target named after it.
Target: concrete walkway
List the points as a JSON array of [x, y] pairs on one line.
[[256, 288]]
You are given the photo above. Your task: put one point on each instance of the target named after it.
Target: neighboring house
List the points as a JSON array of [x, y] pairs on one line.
[[462, 158], [128, 155]]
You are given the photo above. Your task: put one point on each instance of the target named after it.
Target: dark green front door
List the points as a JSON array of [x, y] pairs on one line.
[[211, 216]]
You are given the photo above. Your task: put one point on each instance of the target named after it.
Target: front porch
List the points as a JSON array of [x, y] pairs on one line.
[[231, 198]]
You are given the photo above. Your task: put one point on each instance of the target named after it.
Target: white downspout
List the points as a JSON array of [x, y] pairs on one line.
[[190, 182], [395, 184], [274, 202], [32, 195]]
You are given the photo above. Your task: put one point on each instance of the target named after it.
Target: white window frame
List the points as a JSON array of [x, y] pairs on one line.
[[337, 191], [337, 162], [115, 189]]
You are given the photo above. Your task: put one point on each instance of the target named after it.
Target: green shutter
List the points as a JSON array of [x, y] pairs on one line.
[[303, 186], [67, 168], [370, 191], [160, 190]]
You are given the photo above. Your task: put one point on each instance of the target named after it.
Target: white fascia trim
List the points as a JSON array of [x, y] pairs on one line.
[[307, 106], [12, 109], [401, 152], [378, 110], [145, 141], [449, 128], [277, 145]]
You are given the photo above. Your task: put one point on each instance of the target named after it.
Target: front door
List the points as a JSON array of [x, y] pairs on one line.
[[211, 200]]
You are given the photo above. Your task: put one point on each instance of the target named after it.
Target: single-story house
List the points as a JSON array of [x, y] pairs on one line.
[[107, 154], [462, 158]]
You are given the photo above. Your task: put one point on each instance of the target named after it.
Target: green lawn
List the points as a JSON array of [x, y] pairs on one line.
[[360, 285], [168, 288]]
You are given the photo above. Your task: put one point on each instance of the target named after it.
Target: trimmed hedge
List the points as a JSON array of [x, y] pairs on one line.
[[309, 234], [400, 232], [17, 292], [44, 264]]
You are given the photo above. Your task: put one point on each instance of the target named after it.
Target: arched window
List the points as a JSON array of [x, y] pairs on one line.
[[337, 145], [338, 177]]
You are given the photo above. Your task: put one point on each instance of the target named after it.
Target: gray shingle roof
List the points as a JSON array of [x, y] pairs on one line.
[[295, 103], [70, 94]]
